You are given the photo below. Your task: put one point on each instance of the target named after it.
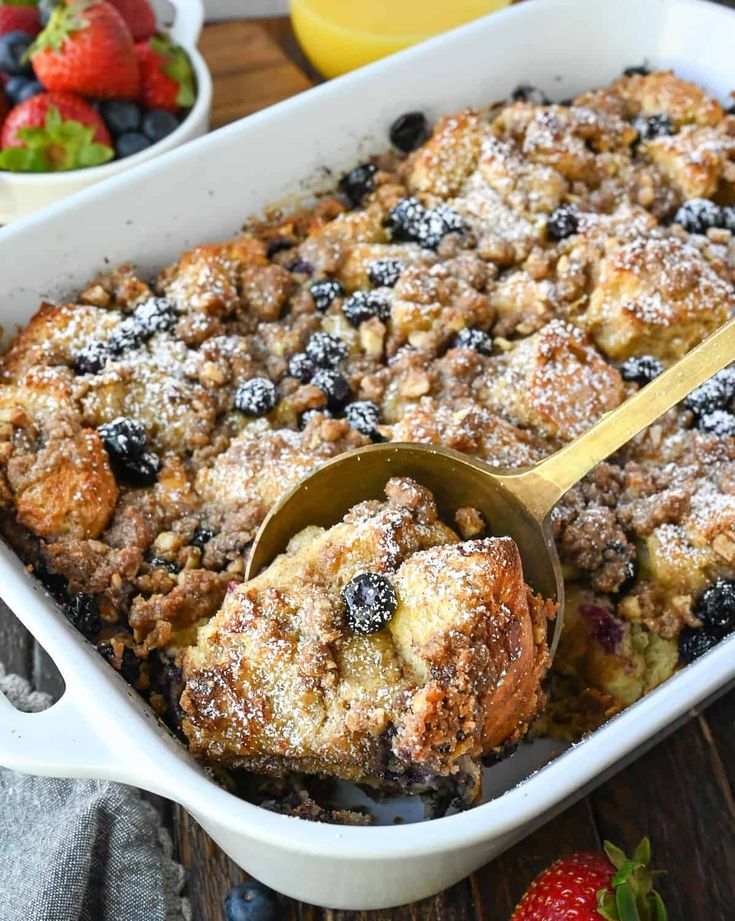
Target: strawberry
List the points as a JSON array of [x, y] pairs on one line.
[[4, 107], [139, 17], [166, 77], [53, 131], [19, 19], [590, 886], [86, 48]]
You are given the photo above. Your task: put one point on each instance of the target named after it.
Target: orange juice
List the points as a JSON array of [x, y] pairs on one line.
[[339, 35]]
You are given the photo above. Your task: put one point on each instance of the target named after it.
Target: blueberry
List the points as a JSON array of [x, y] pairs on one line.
[[155, 315], [358, 183], [718, 422], [697, 215], [157, 562], [54, 583], [158, 123], [129, 334], [364, 416], [13, 46], [120, 116], [279, 245], [256, 397], [653, 126], [18, 89], [371, 602], [325, 291], [141, 471], [694, 642], [640, 71], [410, 221], [124, 438], [132, 142], [301, 367], [409, 131], [563, 222], [92, 359], [714, 394], [405, 218], [716, 607], [473, 338], [300, 266], [83, 611], [130, 666], [335, 387], [202, 536], [641, 369], [326, 351], [252, 902], [526, 92], [385, 272], [727, 215], [362, 305]]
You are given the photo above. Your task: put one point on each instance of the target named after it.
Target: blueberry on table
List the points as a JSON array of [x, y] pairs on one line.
[[641, 369], [363, 305], [698, 214], [716, 607], [363, 416], [694, 642], [371, 602], [18, 89], [358, 183], [84, 612], [301, 367], [472, 338], [526, 92], [251, 901], [562, 222], [256, 397], [385, 273], [334, 386], [120, 116], [92, 358], [324, 291], [158, 123], [718, 422], [653, 126], [132, 142], [325, 350], [409, 131], [13, 48]]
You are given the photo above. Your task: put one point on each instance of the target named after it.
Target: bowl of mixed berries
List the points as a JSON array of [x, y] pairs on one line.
[[89, 88]]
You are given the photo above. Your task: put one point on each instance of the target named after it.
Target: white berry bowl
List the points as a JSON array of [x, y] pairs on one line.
[[22, 193]]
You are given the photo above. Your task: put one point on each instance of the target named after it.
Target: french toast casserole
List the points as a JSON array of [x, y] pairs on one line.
[[493, 283]]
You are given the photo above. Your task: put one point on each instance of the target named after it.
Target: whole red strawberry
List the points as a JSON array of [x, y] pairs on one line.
[[166, 76], [589, 886], [53, 131], [139, 17], [19, 19], [86, 48]]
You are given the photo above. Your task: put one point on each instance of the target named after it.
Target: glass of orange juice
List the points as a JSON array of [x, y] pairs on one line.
[[339, 35]]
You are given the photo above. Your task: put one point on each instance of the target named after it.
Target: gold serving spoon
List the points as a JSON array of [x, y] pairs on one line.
[[516, 503]]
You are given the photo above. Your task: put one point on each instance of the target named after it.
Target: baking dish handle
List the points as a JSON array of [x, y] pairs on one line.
[[187, 26], [57, 742]]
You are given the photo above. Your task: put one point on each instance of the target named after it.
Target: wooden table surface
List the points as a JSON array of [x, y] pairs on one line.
[[680, 793]]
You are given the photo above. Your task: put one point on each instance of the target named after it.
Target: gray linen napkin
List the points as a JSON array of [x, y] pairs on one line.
[[81, 850]]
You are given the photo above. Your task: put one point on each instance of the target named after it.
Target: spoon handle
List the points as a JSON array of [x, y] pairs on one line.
[[541, 487]]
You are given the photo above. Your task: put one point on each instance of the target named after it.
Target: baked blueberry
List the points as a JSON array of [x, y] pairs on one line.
[[410, 221], [130, 666], [120, 115], [527, 92], [83, 611], [124, 438], [698, 214], [140, 471], [93, 358], [325, 350], [637, 71], [202, 536], [155, 315], [694, 642], [358, 183], [158, 124], [252, 901], [727, 217], [371, 602], [563, 222], [129, 334], [13, 48], [54, 583], [718, 422], [301, 367], [364, 416], [158, 562], [641, 369], [324, 291], [653, 126], [335, 387], [300, 266], [409, 131], [130, 143], [362, 305], [716, 607], [384, 273], [256, 397], [472, 338], [714, 394]]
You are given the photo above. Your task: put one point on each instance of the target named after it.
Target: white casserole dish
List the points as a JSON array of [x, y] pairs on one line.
[[23, 193], [100, 728]]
